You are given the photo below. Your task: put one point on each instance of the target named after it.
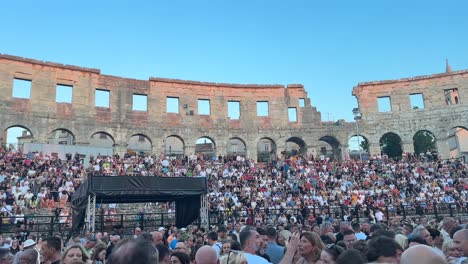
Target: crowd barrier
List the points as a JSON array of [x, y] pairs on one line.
[[60, 224]]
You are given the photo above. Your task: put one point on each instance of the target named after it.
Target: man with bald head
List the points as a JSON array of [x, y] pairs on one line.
[[181, 247], [421, 254], [460, 240], [206, 255], [157, 238]]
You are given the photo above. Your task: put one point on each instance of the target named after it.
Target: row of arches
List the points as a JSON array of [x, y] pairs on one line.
[[390, 143], [423, 142], [173, 144]]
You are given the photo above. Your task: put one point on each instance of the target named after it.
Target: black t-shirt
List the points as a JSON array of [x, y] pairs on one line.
[[23, 236]]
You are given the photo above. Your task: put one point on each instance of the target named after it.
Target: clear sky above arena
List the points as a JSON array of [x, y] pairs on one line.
[[328, 46]]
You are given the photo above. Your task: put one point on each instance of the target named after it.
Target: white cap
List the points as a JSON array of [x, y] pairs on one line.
[[161, 229], [29, 243]]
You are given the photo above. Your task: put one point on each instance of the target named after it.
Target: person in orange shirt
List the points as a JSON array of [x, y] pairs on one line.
[[50, 203]]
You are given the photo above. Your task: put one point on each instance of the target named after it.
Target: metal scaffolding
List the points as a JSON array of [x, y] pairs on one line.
[[204, 217], [91, 213]]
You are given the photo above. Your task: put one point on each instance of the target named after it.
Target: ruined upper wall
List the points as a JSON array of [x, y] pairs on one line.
[[45, 76], [434, 90]]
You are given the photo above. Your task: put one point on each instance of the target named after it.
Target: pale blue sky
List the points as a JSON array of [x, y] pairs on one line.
[[328, 46]]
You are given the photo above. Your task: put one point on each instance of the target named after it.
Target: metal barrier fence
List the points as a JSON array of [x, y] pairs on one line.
[[59, 224], [357, 213]]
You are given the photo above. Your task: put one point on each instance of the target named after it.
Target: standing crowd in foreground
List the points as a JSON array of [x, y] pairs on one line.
[[353, 243]]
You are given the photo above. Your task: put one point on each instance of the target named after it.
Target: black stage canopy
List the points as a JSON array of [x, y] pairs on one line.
[[141, 189]]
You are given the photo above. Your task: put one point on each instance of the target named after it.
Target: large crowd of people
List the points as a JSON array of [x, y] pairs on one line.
[[268, 200], [354, 243], [282, 190]]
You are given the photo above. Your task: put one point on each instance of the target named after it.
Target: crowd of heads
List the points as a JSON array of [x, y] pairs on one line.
[[444, 242], [262, 204]]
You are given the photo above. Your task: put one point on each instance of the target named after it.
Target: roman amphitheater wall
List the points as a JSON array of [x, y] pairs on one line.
[[443, 107], [120, 124]]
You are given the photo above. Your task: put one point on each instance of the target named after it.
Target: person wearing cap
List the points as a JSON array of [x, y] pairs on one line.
[[28, 244]]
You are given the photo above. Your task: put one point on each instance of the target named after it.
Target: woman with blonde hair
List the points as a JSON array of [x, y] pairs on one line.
[[451, 252], [402, 240], [73, 253], [325, 227], [234, 257]]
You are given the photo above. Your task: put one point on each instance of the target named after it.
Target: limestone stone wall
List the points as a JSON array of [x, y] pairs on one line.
[[41, 114], [445, 107]]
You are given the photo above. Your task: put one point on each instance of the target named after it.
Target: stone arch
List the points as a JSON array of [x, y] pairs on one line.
[[390, 144], [102, 139], [294, 146], [458, 142], [16, 136], [424, 141], [266, 149], [140, 143], [236, 146], [174, 145], [206, 146], [61, 136], [30, 126], [358, 146], [335, 144]]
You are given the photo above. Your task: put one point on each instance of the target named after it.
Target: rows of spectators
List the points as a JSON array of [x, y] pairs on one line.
[[391, 242], [283, 190]]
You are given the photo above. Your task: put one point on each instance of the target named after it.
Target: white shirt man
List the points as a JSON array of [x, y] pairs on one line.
[[379, 216]]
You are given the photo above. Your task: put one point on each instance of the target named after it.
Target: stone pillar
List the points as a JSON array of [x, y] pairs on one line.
[[407, 147], [374, 149], [120, 148], [221, 150], [313, 150], [189, 149], [344, 152], [443, 148], [252, 153], [280, 147], [157, 147]]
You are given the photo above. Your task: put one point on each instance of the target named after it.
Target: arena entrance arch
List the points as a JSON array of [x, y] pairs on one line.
[[390, 144], [174, 146], [424, 141], [236, 147], [102, 140], [16, 136], [205, 146], [140, 144], [266, 150], [61, 136], [458, 142], [334, 152], [358, 147], [295, 146]]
